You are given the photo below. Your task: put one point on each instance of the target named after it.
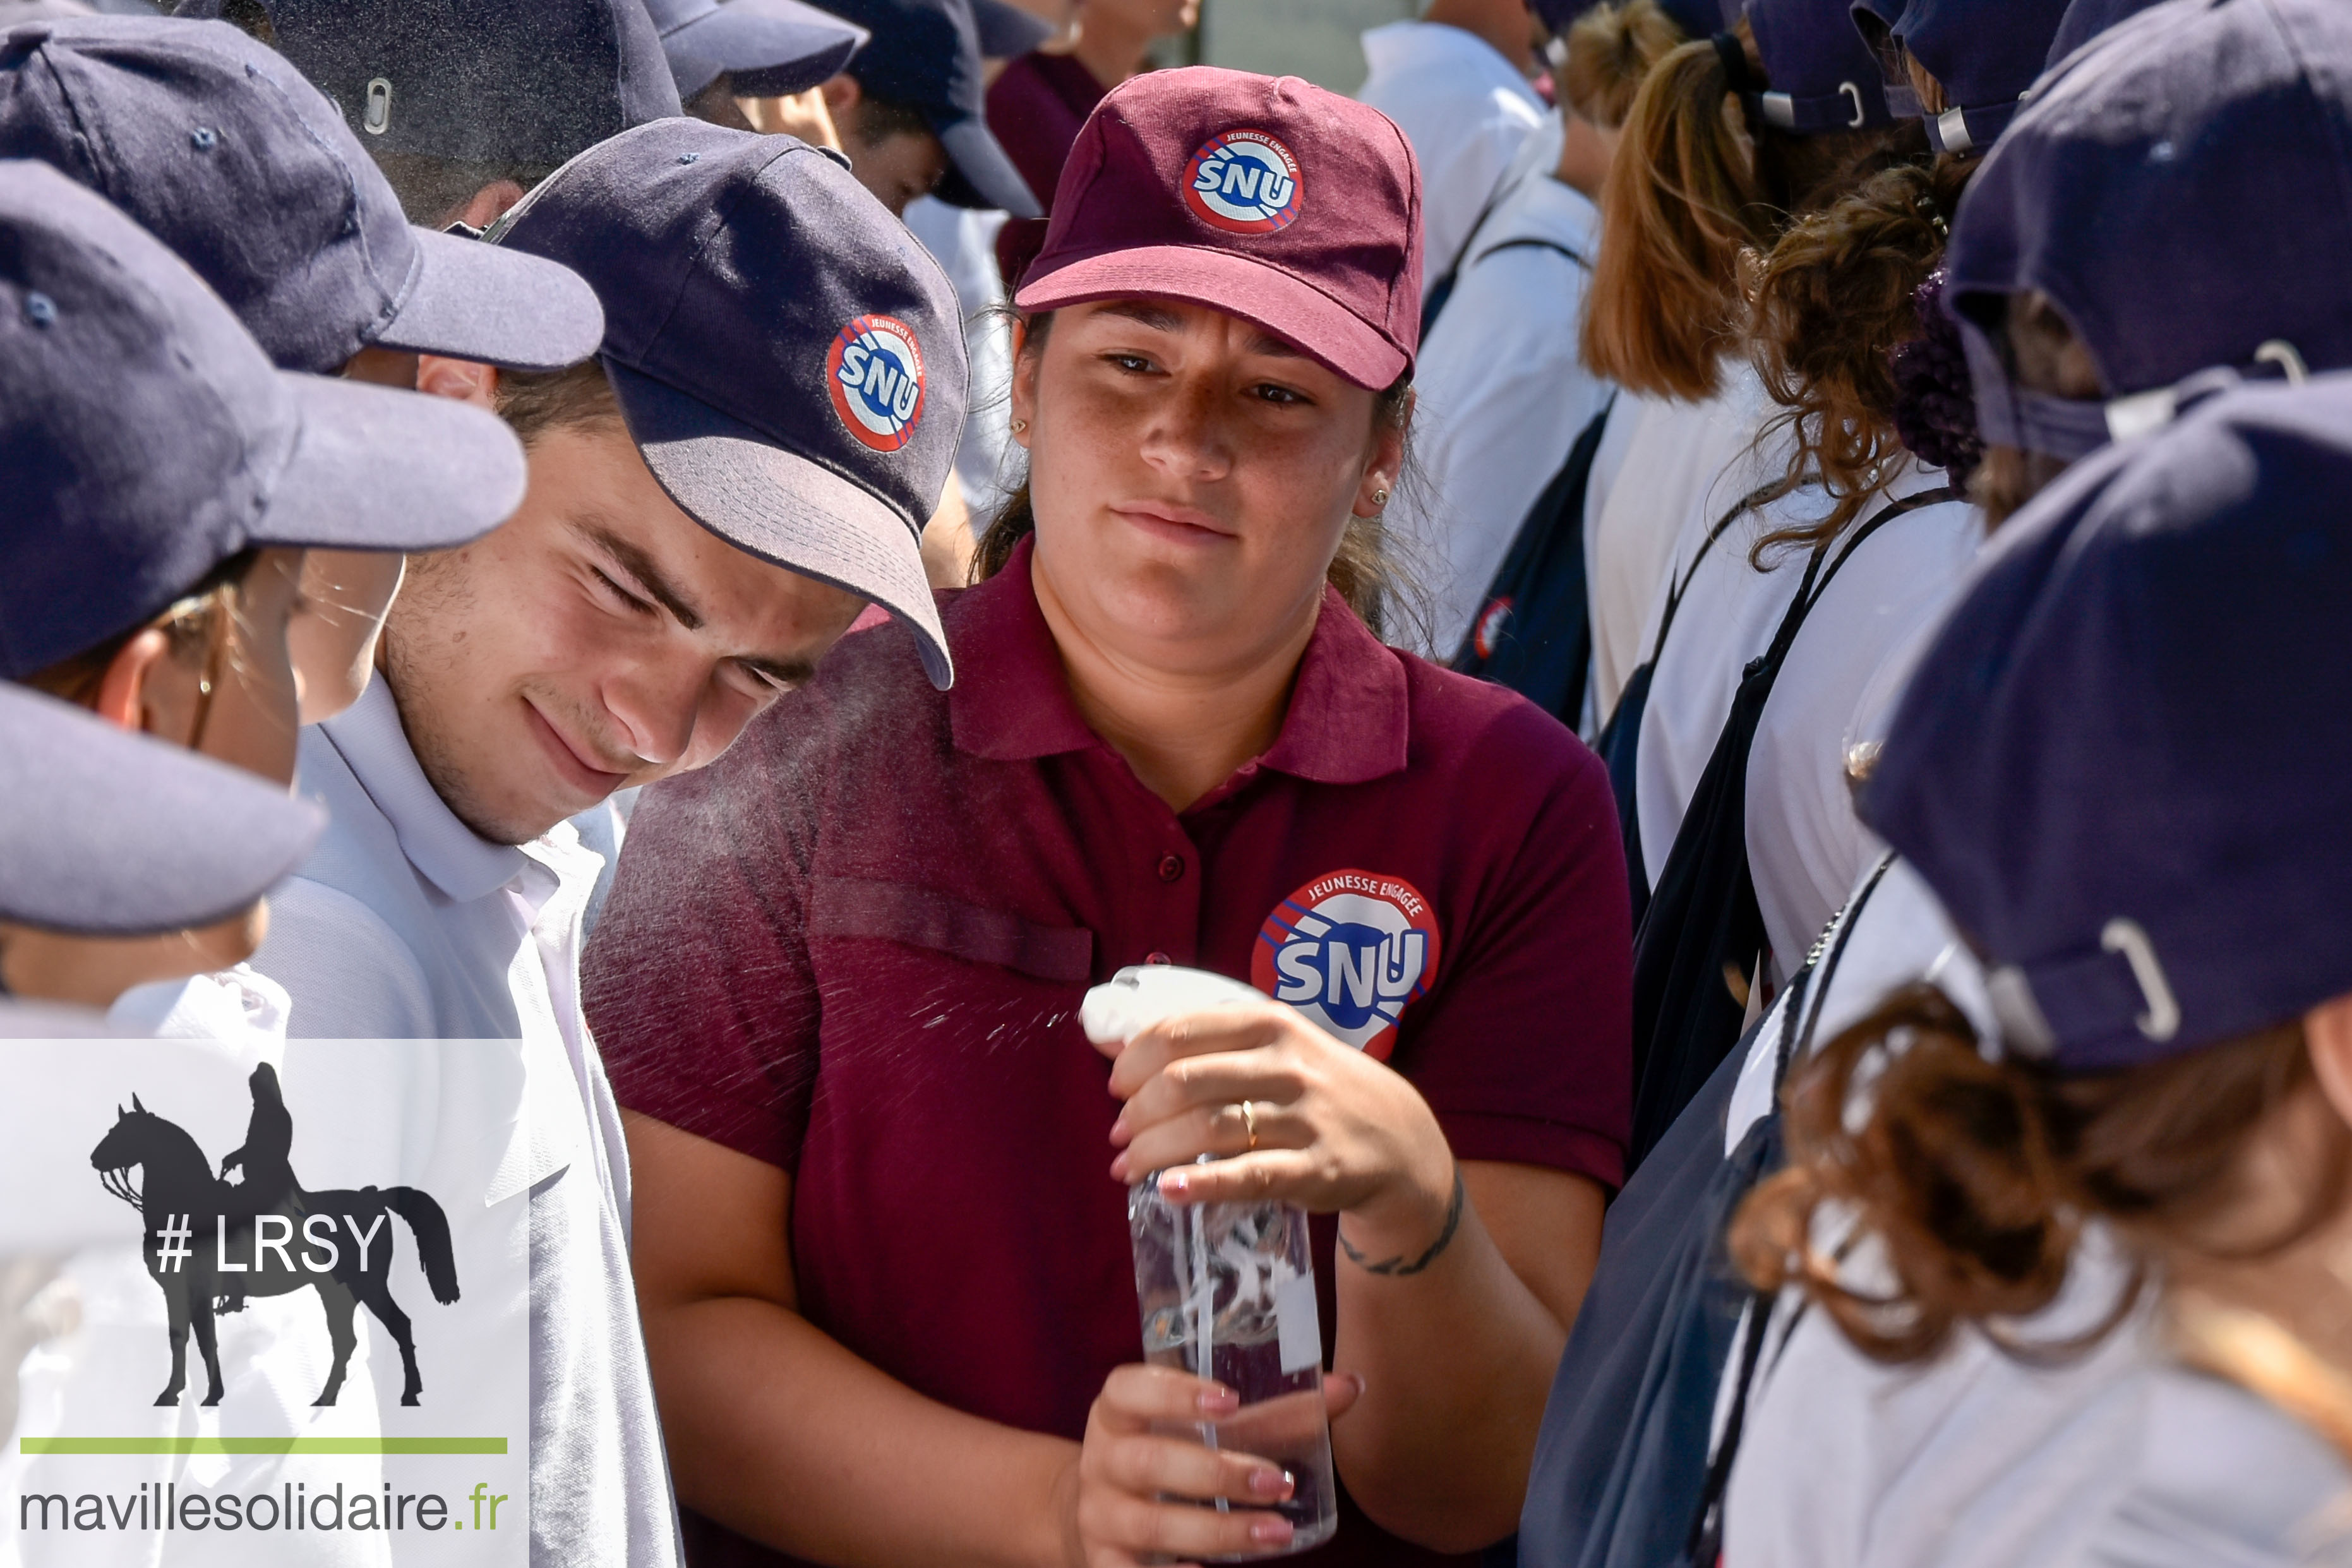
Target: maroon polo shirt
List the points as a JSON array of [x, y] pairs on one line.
[[854, 946], [1036, 106]]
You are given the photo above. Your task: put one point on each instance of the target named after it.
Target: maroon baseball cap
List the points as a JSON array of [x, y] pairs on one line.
[[1266, 198]]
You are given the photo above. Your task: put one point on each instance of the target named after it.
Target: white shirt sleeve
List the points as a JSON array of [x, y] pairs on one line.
[[350, 974]]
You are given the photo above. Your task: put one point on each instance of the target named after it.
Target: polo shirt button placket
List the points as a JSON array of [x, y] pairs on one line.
[[1172, 868]]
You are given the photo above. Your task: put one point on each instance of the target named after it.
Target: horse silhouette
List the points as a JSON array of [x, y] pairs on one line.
[[338, 1243]]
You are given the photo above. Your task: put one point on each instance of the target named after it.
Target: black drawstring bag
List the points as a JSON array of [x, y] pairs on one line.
[[1534, 631], [1701, 935]]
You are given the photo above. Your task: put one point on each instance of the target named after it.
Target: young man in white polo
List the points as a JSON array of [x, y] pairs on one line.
[[711, 502]]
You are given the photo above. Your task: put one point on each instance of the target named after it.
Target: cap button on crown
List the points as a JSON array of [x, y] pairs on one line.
[[202, 138], [39, 310]]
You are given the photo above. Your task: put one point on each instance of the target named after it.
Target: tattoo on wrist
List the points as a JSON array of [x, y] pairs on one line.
[[1397, 1265]]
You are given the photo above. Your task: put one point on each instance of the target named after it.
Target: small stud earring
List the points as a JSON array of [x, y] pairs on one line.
[[1380, 498], [1019, 425]]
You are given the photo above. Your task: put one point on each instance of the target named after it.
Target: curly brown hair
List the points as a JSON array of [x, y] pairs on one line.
[[1832, 299], [1977, 1175]]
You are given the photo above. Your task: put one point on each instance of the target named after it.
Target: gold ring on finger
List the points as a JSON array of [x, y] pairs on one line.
[[1249, 1123]]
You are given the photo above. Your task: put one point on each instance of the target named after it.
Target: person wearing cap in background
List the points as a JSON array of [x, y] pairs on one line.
[[2120, 768], [756, 65], [467, 104], [909, 108], [2044, 206], [1037, 102], [1504, 394], [710, 502], [838, 977], [159, 594], [1457, 81], [964, 241], [226, 155]]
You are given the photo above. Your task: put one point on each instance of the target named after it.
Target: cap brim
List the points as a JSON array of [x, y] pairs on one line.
[[502, 307], [111, 834], [377, 468], [782, 507], [1283, 303], [981, 174], [1007, 30], [772, 47]]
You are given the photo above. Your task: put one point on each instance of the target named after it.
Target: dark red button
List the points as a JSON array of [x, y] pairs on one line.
[[1171, 867], [1157, 958]]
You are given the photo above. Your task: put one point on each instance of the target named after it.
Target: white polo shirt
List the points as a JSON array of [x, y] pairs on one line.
[[1664, 467], [1503, 395], [1805, 846], [404, 923], [1465, 108]]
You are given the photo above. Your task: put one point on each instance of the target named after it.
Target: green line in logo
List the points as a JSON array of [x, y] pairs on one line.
[[262, 1445]]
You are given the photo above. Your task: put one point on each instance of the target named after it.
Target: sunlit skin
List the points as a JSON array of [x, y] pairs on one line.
[[599, 639], [1192, 477], [1114, 37], [896, 166], [250, 721], [345, 596]]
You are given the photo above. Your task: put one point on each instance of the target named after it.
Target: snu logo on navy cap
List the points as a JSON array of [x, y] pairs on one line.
[[875, 371]]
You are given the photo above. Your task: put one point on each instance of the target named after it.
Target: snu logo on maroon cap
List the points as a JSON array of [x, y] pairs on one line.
[[1220, 188], [1245, 183]]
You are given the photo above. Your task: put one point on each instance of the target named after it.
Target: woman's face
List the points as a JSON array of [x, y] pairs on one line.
[[248, 722], [1191, 475]]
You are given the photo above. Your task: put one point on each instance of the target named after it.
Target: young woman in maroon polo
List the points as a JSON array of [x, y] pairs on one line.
[[880, 1211]]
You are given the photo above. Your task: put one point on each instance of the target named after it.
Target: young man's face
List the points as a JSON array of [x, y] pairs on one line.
[[894, 163], [598, 639]]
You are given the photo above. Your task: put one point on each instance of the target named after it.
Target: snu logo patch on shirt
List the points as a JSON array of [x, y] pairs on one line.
[[1351, 950], [875, 371], [1245, 183]]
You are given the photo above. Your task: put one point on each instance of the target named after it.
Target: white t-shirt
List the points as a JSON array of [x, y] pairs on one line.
[[1465, 109], [1977, 1459], [1503, 396], [1805, 846], [1664, 469], [2123, 1459]]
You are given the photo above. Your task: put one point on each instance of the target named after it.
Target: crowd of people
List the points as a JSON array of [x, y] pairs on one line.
[[1738, 613]]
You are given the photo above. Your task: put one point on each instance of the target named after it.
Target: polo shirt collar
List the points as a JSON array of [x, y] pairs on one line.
[[450, 855], [1348, 720]]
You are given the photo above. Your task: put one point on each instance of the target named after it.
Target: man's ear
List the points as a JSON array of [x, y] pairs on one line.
[[842, 96], [464, 379], [2327, 1033], [122, 691]]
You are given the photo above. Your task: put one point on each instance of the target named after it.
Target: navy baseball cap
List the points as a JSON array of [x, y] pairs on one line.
[[2121, 762], [1696, 18], [1005, 30], [113, 834], [788, 358], [219, 149], [1819, 74], [1984, 54], [2181, 189], [145, 437], [770, 47], [2087, 19], [926, 55], [516, 83]]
